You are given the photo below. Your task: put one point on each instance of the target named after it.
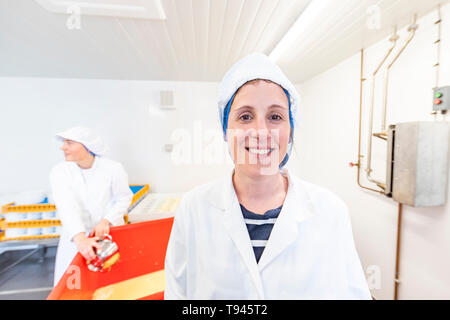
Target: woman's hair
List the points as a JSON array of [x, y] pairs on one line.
[[254, 82]]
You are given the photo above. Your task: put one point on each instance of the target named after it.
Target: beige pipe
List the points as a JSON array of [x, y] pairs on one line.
[[358, 164], [393, 39], [438, 45], [412, 30], [397, 253], [381, 135]]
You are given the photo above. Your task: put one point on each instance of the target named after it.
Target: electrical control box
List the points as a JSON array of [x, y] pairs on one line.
[[417, 164], [441, 99]]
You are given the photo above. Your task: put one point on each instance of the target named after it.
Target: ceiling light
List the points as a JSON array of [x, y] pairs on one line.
[[314, 10], [150, 9]]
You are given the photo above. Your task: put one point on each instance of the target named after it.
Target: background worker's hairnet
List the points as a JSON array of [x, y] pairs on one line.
[[87, 137], [252, 67]]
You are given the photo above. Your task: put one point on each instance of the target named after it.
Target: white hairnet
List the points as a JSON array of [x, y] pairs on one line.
[[255, 66], [92, 141]]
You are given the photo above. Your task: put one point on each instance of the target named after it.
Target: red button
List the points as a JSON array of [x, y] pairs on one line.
[[437, 101]]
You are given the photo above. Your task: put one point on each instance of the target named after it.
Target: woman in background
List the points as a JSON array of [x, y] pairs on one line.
[[91, 193]]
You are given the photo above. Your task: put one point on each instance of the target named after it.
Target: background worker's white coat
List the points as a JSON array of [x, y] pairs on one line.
[[83, 197], [310, 253]]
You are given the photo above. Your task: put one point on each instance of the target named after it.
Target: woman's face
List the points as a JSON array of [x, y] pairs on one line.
[[74, 151], [259, 128]]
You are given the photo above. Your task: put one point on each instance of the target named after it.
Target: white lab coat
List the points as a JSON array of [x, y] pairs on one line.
[[83, 197], [310, 253]]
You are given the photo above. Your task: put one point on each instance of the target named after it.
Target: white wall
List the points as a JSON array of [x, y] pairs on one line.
[[32, 110], [328, 140]]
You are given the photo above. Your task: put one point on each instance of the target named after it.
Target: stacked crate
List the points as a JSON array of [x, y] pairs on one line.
[[40, 221], [28, 222]]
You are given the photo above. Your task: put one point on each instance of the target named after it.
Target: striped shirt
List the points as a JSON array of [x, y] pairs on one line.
[[259, 227]]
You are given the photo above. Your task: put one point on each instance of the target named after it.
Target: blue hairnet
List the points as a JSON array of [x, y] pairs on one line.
[[89, 151]]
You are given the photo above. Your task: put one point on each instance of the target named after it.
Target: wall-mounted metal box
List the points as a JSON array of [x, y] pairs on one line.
[[418, 161]]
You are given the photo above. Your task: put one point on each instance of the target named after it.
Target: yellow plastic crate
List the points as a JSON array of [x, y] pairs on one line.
[[140, 193], [136, 198], [3, 238], [10, 207], [29, 224]]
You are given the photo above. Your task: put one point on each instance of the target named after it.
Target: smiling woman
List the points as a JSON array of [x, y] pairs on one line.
[[261, 233], [259, 126]]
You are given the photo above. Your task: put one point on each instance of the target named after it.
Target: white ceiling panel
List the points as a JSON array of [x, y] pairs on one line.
[[258, 28], [197, 41], [248, 14], [343, 29]]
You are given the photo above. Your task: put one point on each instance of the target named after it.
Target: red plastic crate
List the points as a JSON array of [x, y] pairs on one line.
[[142, 248]]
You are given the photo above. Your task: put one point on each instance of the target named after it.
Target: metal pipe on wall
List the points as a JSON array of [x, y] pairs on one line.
[[383, 135], [358, 164], [438, 45], [380, 184], [412, 32], [397, 254], [412, 29], [437, 65]]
